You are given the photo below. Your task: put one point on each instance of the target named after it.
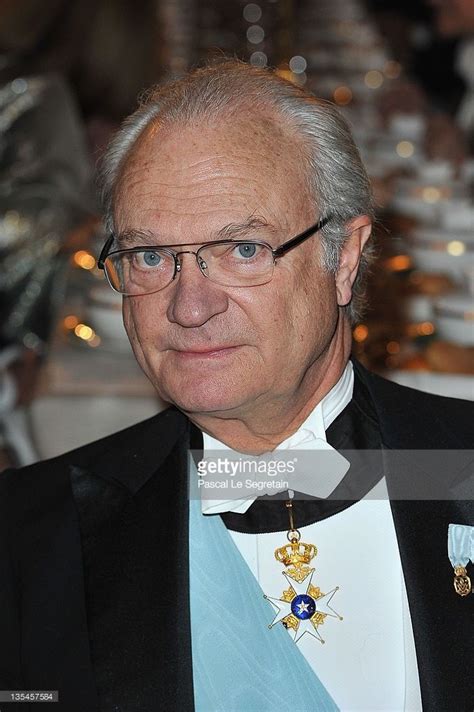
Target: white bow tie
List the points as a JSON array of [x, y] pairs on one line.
[[317, 480], [321, 475]]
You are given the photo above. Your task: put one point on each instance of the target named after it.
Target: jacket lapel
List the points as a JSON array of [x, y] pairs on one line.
[[133, 514]]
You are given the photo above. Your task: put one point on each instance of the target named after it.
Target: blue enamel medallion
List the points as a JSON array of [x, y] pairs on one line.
[[303, 606]]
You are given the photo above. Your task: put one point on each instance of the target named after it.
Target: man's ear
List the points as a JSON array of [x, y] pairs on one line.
[[359, 230]]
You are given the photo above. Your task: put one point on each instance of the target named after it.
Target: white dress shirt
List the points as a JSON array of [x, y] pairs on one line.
[[368, 661]]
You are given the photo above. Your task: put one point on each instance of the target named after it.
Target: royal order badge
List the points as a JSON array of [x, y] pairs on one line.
[[303, 607]]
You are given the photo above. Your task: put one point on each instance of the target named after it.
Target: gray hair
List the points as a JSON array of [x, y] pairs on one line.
[[332, 165]]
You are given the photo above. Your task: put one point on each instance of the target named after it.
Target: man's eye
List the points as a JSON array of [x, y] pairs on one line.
[[148, 259], [247, 250]]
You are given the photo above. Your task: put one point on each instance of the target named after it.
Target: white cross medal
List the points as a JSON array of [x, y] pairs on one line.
[[303, 607]]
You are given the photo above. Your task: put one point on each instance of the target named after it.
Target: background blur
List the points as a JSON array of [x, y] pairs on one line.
[[401, 72]]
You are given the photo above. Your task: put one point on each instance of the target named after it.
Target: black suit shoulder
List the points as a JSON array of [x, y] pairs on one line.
[[36, 488], [414, 419], [85, 454]]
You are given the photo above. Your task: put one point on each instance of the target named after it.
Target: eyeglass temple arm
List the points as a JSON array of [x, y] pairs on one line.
[[295, 241], [105, 251]]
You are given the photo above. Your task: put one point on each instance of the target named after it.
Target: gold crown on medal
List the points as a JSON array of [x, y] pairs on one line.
[[296, 553]]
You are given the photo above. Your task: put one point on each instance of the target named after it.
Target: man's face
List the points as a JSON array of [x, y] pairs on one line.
[[228, 350]]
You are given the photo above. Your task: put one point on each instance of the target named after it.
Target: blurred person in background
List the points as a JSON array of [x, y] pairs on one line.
[[455, 18], [427, 37]]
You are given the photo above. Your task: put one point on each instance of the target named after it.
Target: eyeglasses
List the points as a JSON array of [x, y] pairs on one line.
[[231, 263]]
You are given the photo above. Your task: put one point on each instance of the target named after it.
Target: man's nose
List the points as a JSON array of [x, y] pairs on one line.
[[194, 299]]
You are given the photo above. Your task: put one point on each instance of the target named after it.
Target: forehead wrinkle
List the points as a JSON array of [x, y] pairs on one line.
[[204, 162], [158, 165], [200, 168], [198, 196], [217, 168], [126, 200], [210, 175], [168, 212], [223, 178], [205, 190]]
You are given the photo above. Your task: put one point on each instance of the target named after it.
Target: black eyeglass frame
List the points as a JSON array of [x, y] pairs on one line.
[[276, 251]]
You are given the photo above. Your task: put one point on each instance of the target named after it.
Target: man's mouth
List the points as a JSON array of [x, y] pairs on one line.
[[206, 351]]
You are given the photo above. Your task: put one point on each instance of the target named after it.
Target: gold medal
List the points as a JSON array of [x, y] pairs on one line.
[[462, 582], [460, 551], [303, 607]]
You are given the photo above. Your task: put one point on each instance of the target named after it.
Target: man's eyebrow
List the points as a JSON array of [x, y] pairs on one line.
[[134, 238], [234, 231]]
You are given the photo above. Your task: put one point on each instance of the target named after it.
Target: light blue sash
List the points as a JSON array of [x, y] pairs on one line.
[[239, 665]]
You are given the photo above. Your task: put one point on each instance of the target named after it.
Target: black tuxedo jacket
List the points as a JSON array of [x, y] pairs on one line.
[[94, 596]]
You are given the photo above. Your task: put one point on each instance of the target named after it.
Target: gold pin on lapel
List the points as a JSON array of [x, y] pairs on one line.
[[462, 582]]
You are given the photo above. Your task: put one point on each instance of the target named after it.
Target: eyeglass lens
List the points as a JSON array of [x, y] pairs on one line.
[[231, 264]]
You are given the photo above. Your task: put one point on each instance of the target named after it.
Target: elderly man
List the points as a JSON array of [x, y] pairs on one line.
[[239, 215]]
